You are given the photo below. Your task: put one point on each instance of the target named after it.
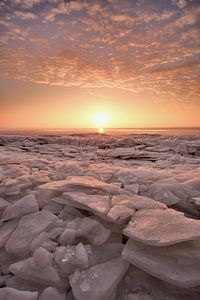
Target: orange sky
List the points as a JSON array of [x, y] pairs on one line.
[[41, 106], [64, 62]]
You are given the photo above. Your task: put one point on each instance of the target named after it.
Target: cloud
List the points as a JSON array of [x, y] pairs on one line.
[[25, 15], [62, 9], [180, 67], [26, 3], [122, 44], [180, 3]]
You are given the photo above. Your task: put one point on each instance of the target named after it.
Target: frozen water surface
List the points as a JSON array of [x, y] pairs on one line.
[[99, 217]]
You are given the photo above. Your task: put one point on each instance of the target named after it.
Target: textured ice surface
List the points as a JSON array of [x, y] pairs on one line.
[[136, 202], [67, 203], [37, 268], [3, 205], [98, 282], [161, 227], [177, 264], [68, 237], [6, 229], [120, 214], [93, 231], [28, 229], [51, 293], [85, 184], [13, 294], [96, 203], [24, 206]]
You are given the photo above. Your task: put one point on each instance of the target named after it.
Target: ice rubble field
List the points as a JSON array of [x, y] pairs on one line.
[[99, 217]]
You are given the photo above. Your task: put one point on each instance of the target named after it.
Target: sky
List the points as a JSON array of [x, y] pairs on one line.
[[88, 63]]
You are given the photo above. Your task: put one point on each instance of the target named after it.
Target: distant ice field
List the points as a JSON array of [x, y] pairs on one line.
[[180, 131]]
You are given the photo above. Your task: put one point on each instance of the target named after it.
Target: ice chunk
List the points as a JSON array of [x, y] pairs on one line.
[[65, 259], [115, 238], [70, 257], [193, 183], [13, 294], [196, 200], [105, 252], [37, 269], [55, 231], [69, 213], [3, 205], [42, 258], [93, 231], [167, 193], [96, 203], [51, 293], [28, 229], [70, 296], [44, 196], [6, 259], [98, 282], [3, 279], [86, 184], [67, 237], [128, 153], [24, 285], [38, 241], [177, 264], [134, 187], [136, 202], [161, 227], [120, 214], [5, 231], [74, 224], [24, 206], [49, 245], [53, 207], [81, 256]]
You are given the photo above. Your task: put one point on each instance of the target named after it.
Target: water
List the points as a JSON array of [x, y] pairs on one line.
[[162, 131], [180, 131]]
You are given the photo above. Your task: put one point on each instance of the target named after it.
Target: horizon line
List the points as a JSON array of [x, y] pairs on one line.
[[96, 128]]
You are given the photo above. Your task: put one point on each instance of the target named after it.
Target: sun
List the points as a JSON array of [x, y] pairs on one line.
[[101, 121]]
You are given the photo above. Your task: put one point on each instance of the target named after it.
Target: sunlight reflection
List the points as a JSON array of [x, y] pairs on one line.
[[100, 130]]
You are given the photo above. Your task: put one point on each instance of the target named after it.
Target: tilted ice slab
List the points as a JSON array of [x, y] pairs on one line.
[[136, 202], [123, 207], [97, 203], [193, 183], [117, 209], [161, 227], [86, 184], [5, 231], [28, 229], [37, 268], [177, 264], [14, 294], [24, 206], [93, 231], [167, 193], [98, 282], [127, 174], [3, 204]]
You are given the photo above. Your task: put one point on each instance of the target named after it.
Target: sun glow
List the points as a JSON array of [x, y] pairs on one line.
[[101, 130], [101, 121]]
